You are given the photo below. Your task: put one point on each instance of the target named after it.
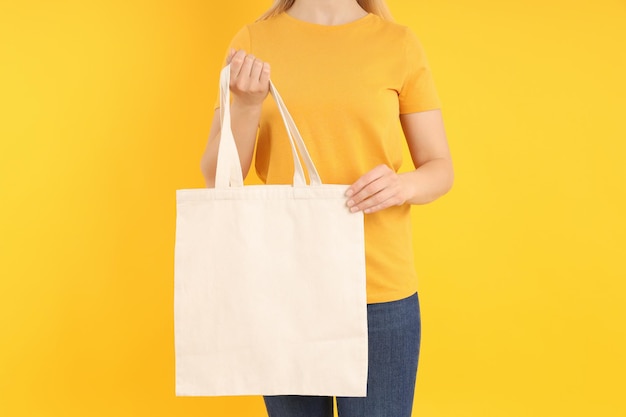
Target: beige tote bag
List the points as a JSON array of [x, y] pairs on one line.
[[269, 282]]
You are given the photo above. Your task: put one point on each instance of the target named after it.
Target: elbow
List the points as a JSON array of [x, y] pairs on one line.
[[449, 181], [446, 179]]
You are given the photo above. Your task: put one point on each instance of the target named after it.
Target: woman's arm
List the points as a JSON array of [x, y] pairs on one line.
[[382, 187], [249, 85]]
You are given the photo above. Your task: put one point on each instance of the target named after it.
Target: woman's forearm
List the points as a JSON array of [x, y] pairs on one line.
[[249, 86], [244, 124], [430, 181]]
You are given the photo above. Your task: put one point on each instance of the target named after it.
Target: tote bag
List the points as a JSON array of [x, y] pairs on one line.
[[269, 282]]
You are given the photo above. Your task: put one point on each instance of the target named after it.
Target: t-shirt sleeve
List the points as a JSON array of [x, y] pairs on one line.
[[240, 41], [418, 92]]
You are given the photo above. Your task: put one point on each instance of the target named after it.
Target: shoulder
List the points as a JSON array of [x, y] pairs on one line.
[[397, 36], [265, 25], [390, 29], [258, 28], [257, 32]]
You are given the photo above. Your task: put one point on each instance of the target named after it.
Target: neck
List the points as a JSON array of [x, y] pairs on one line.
[[327, 12]]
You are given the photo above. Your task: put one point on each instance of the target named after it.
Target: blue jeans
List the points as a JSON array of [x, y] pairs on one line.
[[394, 338]]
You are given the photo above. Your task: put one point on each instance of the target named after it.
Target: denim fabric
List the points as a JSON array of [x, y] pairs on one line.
[[394, 330]]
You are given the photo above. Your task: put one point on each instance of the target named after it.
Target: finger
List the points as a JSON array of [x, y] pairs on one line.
[[265, 74], [366, 179], [236, 62], [379, 201], [369, 191], [381, 206], [231, 53], [246, 68], [241, 82], [378, 183], [255, 73]]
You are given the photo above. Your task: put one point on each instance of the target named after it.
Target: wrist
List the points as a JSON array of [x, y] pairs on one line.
[[428, 182], [410, 186], [246, 105]]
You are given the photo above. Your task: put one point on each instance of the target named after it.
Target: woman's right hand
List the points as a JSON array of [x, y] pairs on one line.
[[249, 78], [249, 85]]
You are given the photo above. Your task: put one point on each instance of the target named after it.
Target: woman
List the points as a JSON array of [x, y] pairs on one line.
[[348, 74]]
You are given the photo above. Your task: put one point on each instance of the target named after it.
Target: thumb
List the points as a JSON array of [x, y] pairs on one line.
[[230, 55]]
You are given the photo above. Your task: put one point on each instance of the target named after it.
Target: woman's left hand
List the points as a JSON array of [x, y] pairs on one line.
[[376, 190]]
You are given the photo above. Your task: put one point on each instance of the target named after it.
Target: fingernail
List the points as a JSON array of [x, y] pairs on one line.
[[354, 209], [350, 203], [349, 192]]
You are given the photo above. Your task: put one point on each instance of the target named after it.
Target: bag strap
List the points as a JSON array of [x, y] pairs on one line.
[[228, 171]]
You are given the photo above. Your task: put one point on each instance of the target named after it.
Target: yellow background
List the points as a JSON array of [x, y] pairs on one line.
[[105, 111]]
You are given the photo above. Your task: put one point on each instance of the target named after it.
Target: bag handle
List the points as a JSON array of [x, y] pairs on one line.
[[228, 171]]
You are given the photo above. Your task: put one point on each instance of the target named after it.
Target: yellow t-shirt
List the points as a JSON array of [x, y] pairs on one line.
[[345, 87]]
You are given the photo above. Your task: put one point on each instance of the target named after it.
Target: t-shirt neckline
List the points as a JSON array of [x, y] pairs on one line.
[[353, 23]]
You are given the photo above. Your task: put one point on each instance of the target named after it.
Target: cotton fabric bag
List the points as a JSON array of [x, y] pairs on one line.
[[269, 282]]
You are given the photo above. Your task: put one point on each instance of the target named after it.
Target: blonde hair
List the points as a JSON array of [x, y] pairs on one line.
[[378, 7]]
